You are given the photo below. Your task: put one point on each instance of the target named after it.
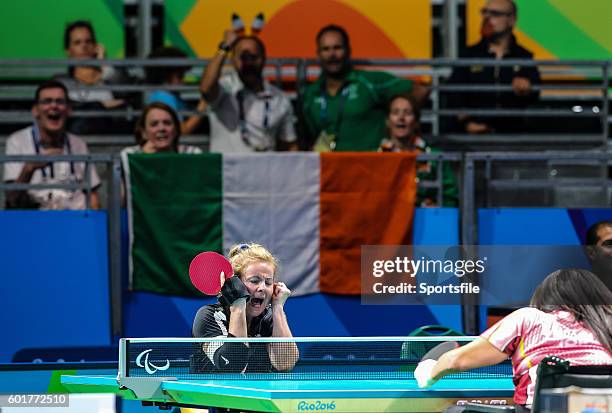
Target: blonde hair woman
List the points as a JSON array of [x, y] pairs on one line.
[[251, 304]]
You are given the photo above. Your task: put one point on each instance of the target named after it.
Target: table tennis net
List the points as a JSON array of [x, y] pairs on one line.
[[269, 359]]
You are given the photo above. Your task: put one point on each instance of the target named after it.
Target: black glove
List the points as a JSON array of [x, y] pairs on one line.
[[232, 290]]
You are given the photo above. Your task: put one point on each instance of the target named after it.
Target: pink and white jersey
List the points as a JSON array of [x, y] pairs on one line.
[[529, 335]]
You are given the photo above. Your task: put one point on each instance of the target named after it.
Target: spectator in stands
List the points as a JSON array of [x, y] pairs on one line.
[[251, 304], [403, 134], [48, 136], [173, 75], [80, 43], [497, 42], [599, 250], [570, 316], [344, 109], [158, 130], [247, 114]]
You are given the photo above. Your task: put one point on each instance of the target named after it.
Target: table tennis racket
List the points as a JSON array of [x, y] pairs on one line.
[[208, 271], [437, 352]]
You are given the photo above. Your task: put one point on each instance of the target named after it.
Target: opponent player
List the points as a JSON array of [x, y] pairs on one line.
[[570, 316]]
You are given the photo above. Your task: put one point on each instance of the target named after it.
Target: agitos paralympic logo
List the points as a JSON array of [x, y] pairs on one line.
[[148, 366]]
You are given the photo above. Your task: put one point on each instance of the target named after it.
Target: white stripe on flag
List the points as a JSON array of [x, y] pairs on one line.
[[273, 199]]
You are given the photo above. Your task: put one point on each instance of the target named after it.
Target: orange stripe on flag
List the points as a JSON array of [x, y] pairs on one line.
[[365, 199]]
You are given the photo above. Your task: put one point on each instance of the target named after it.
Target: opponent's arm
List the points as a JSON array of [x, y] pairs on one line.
[[478, 353]]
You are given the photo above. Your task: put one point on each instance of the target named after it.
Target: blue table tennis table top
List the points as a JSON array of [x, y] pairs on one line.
[[363, 395]]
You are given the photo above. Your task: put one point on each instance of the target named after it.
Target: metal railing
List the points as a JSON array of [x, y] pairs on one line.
[[469, 207], [601, 161], [588, 88]]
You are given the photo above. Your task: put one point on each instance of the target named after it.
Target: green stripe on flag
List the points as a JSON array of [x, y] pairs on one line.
[[176, 213]]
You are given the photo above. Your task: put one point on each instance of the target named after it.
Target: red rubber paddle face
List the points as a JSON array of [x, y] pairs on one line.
[[205, 272]]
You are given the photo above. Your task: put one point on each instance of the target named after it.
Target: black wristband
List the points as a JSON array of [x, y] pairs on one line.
[[232, 290]]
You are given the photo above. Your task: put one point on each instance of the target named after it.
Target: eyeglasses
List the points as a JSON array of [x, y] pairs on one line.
[[484, 12], [49, 101]]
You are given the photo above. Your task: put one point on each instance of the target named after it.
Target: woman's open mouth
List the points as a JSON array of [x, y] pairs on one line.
[[256, 302]]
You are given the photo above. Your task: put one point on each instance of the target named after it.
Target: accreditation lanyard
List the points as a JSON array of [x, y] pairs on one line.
[[244, 131], [323, 114], [37, 145]]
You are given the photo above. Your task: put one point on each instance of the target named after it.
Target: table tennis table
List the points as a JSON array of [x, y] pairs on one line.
[[366, 374]]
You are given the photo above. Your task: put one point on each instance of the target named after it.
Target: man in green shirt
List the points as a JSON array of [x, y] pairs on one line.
[[344, 110]]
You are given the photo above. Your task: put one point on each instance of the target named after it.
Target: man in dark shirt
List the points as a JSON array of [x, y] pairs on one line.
[[599, 250], [498, 42]]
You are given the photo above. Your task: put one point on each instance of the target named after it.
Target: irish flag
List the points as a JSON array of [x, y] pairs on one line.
[[313, 211]]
